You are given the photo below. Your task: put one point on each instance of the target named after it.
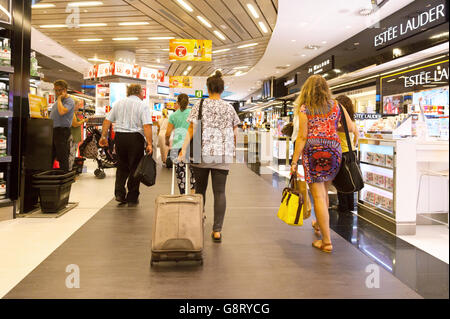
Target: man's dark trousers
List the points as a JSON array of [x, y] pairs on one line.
[[130, 150], [61, 146]]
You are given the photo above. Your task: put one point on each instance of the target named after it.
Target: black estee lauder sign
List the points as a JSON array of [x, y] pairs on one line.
[[324, 66], [430, 17], [435, 74]]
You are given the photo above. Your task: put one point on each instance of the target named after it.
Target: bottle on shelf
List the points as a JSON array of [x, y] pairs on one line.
[[3, 144], [4, 99], [2, 186], [5, 54]]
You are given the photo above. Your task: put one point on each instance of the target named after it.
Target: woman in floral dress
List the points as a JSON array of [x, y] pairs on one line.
[[319, 144]]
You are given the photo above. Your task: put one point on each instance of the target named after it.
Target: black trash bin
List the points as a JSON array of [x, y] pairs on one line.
[[54, 189]]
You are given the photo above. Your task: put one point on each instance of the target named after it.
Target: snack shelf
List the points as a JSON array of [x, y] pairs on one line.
[[378, 207], [381, 187]]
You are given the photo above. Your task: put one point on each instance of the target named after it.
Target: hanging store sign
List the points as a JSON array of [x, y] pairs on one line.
[[431, 16], [180, 81], [428, 76], [190, 50], [322, 67], [199, 93], [291, 81], [123, 69]]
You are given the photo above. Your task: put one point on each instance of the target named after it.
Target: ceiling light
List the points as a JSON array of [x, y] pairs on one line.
[[161, 38], [133, 23], [53, 26], [324, 42], [219, 35], [97, 60], [85, 4], [89, 40], [165, 49], [173, 60], [189, 68], [185, 72], [312, 47], [203, 20], [348, 26], [221, 50], [155, 66], [158, 60], [93, 25], [42, 5], [252, 10], [366, 11], [240, 67], [263, 27], [126, 39], [238, 73], [293, 40], [185, 5], [303, 54], [247, 45]]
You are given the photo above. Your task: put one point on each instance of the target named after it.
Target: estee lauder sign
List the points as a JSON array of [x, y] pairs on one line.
[[432, 16]]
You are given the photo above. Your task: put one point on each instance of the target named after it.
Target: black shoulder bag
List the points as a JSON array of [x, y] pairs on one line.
[[196, 141], [349, 178]]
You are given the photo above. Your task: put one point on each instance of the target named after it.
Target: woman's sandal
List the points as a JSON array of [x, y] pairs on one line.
[[316, 228], [323, 246], [216, 240]]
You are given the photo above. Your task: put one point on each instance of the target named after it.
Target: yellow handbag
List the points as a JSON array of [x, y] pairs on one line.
[[291, 208]]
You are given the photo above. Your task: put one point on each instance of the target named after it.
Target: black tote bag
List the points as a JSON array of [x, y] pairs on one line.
[[349, 178], [146, 170]]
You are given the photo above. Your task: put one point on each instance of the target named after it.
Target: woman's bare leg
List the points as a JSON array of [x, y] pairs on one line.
[[320, 195]]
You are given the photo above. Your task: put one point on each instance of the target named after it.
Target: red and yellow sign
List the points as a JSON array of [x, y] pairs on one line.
[[38, 106], [180, 81], [190, 50]]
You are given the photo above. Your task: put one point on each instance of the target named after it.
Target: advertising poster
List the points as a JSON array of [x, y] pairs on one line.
[[392, 104], [190, 50], [103, 70], [38, 106], [180, 81]]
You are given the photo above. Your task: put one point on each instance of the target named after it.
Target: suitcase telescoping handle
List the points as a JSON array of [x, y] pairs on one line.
[[187, 183]]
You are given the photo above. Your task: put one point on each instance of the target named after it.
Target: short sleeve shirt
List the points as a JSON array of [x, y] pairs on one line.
[[181, 125], [130, 115], [218, 120], [66, 119]]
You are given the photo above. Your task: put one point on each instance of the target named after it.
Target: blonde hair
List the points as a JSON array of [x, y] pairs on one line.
[[315, 96], [165, 113]]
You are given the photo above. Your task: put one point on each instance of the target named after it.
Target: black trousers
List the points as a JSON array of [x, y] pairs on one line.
[[130, 150], [61, 146], [219, 181]]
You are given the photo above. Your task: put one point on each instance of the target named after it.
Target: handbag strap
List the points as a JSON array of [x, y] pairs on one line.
[[347, 135]]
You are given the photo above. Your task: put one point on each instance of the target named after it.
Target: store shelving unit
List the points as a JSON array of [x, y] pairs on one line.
[[378, 197]]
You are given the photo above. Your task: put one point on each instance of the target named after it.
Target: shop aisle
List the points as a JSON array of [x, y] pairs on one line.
[[259, 257], [26, 242]]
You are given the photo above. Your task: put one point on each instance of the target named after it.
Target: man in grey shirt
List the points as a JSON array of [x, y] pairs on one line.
[[133, 121], [62, 115]]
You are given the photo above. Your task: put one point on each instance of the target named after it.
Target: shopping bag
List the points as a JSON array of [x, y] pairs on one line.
[[146, 171], [302, 188], [291, 208]]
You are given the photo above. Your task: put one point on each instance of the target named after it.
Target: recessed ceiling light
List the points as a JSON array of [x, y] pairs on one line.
[[97, 60], [312, 47], [158, 60], [185, 5], [253, 11], [293, 40], [185, 72], [173, 60], [303, 54], [42, 5], [133, 23], [53, 26], [189, 68], [161, 38], [238, 73], [263, 27], [126, 39], [221, 50], [348, 26], [93, 25], [89, 40], [203, 20], [324, 42], [288, 65], [219, 35], [247, 45], [240, 67], [165, 49], [85, 4]]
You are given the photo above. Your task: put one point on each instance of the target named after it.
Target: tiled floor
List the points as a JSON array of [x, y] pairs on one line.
[[260, 256]]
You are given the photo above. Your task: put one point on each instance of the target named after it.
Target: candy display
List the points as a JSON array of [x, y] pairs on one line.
[[379, 180], [378, 159], [378, 200]]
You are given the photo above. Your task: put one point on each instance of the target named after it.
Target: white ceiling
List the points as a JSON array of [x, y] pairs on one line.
[[308, 22]]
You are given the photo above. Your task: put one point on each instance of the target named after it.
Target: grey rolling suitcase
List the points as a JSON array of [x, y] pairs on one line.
[[177, 232]]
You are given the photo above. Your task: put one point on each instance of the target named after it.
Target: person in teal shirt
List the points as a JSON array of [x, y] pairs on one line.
[[179, 125]]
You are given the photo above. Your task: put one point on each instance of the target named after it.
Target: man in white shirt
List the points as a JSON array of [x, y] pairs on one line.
[[133, 122]]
